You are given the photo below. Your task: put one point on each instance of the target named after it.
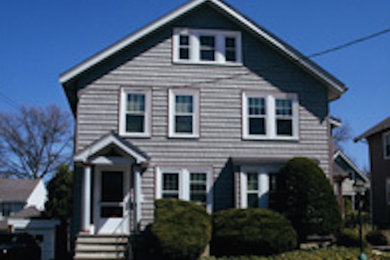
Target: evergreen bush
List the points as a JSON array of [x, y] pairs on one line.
[[251, 232], [181, 229], [376, 238], [304, 195]]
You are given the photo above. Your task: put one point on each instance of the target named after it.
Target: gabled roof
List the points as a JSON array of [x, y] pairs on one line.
[[378, 128], [107, 140], [17, 190], [336, 87], [340, 154]]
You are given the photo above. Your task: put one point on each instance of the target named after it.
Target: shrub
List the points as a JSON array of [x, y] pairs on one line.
[[376, 238], [332, 253], [352, 218], [251, 232], [349, 238], [181, 229], [305, 196]]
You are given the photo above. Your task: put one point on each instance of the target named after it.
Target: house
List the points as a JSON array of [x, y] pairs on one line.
[[19, 194], [201, 105], [345, 175], [378, 138], [22, 202]]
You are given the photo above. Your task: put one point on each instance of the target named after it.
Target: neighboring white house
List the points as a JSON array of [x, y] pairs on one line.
[[17, 194], [22, 202]]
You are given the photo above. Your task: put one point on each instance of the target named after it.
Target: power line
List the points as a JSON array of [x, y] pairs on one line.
[[347, 44], [9, 100], [305, 58]]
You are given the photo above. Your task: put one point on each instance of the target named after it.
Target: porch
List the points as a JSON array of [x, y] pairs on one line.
[[111, 192]]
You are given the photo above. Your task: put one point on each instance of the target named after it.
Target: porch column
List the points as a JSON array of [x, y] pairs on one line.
[[137, 196], [86, 199]]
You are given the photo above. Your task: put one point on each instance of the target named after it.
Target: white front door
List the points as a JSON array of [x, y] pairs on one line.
[[111, 200]]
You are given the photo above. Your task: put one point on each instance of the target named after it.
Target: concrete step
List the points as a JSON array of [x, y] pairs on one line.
[[102, 240], [100, 247], [99, 255]]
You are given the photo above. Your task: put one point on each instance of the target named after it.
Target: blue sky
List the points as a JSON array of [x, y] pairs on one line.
[[42, 38]]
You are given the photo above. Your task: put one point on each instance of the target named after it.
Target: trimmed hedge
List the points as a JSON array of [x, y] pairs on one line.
[[305, 196], [349, 238], [181, 229], [251, 232], [333, 253], [376, 238]]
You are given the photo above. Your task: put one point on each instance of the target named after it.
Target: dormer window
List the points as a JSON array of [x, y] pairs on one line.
[[206, 46]]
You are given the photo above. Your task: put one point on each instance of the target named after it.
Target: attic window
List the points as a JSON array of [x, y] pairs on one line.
[[206, 46]]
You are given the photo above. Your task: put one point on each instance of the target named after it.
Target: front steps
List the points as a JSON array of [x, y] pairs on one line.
[[104, 247]]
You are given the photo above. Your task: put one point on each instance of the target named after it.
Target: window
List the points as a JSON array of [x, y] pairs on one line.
[[198, 188], [252, 190], [184, 45], [269, 116], [257, 184], [256, 116], [135, 112], [386, 140], [284, 118], [170, 187], [230, 49], [184, 113], [206, 46], [190, 183]]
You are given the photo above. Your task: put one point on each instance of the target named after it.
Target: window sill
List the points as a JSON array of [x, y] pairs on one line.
[[267, 138], [214, 63], [183, 136], [135, 135]]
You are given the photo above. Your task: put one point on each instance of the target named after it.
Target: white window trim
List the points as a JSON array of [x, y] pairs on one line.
[[171, 115], [148, 111], [386, 156], [263, 189], [194, 48], [184, 182], [271, 132]]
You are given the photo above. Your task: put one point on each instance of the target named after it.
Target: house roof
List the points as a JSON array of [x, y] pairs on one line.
[[30, 212], [338, 169], [111, 139], [378, 128], [16, 190], [336, 88]]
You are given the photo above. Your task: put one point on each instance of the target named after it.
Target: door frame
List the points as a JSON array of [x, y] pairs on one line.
[[125, 220]]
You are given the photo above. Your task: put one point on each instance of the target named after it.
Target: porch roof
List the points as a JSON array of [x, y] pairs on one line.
[[111, 139]]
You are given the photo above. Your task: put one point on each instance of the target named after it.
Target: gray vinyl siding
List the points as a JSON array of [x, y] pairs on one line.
[[149, 63]]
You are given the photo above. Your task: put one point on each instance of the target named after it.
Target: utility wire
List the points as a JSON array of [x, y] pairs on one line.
[[304, 58], [9, 100], [342, 46]]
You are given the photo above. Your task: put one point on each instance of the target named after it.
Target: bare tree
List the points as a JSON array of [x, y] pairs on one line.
[[34, 141], [341, 135]]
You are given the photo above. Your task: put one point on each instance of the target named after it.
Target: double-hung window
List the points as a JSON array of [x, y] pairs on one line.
[[207, 46], [188, 183], [184, 113], [269, 116], [256, 185], [170, 185], [386, 145], [284, 117], [135, 112]]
